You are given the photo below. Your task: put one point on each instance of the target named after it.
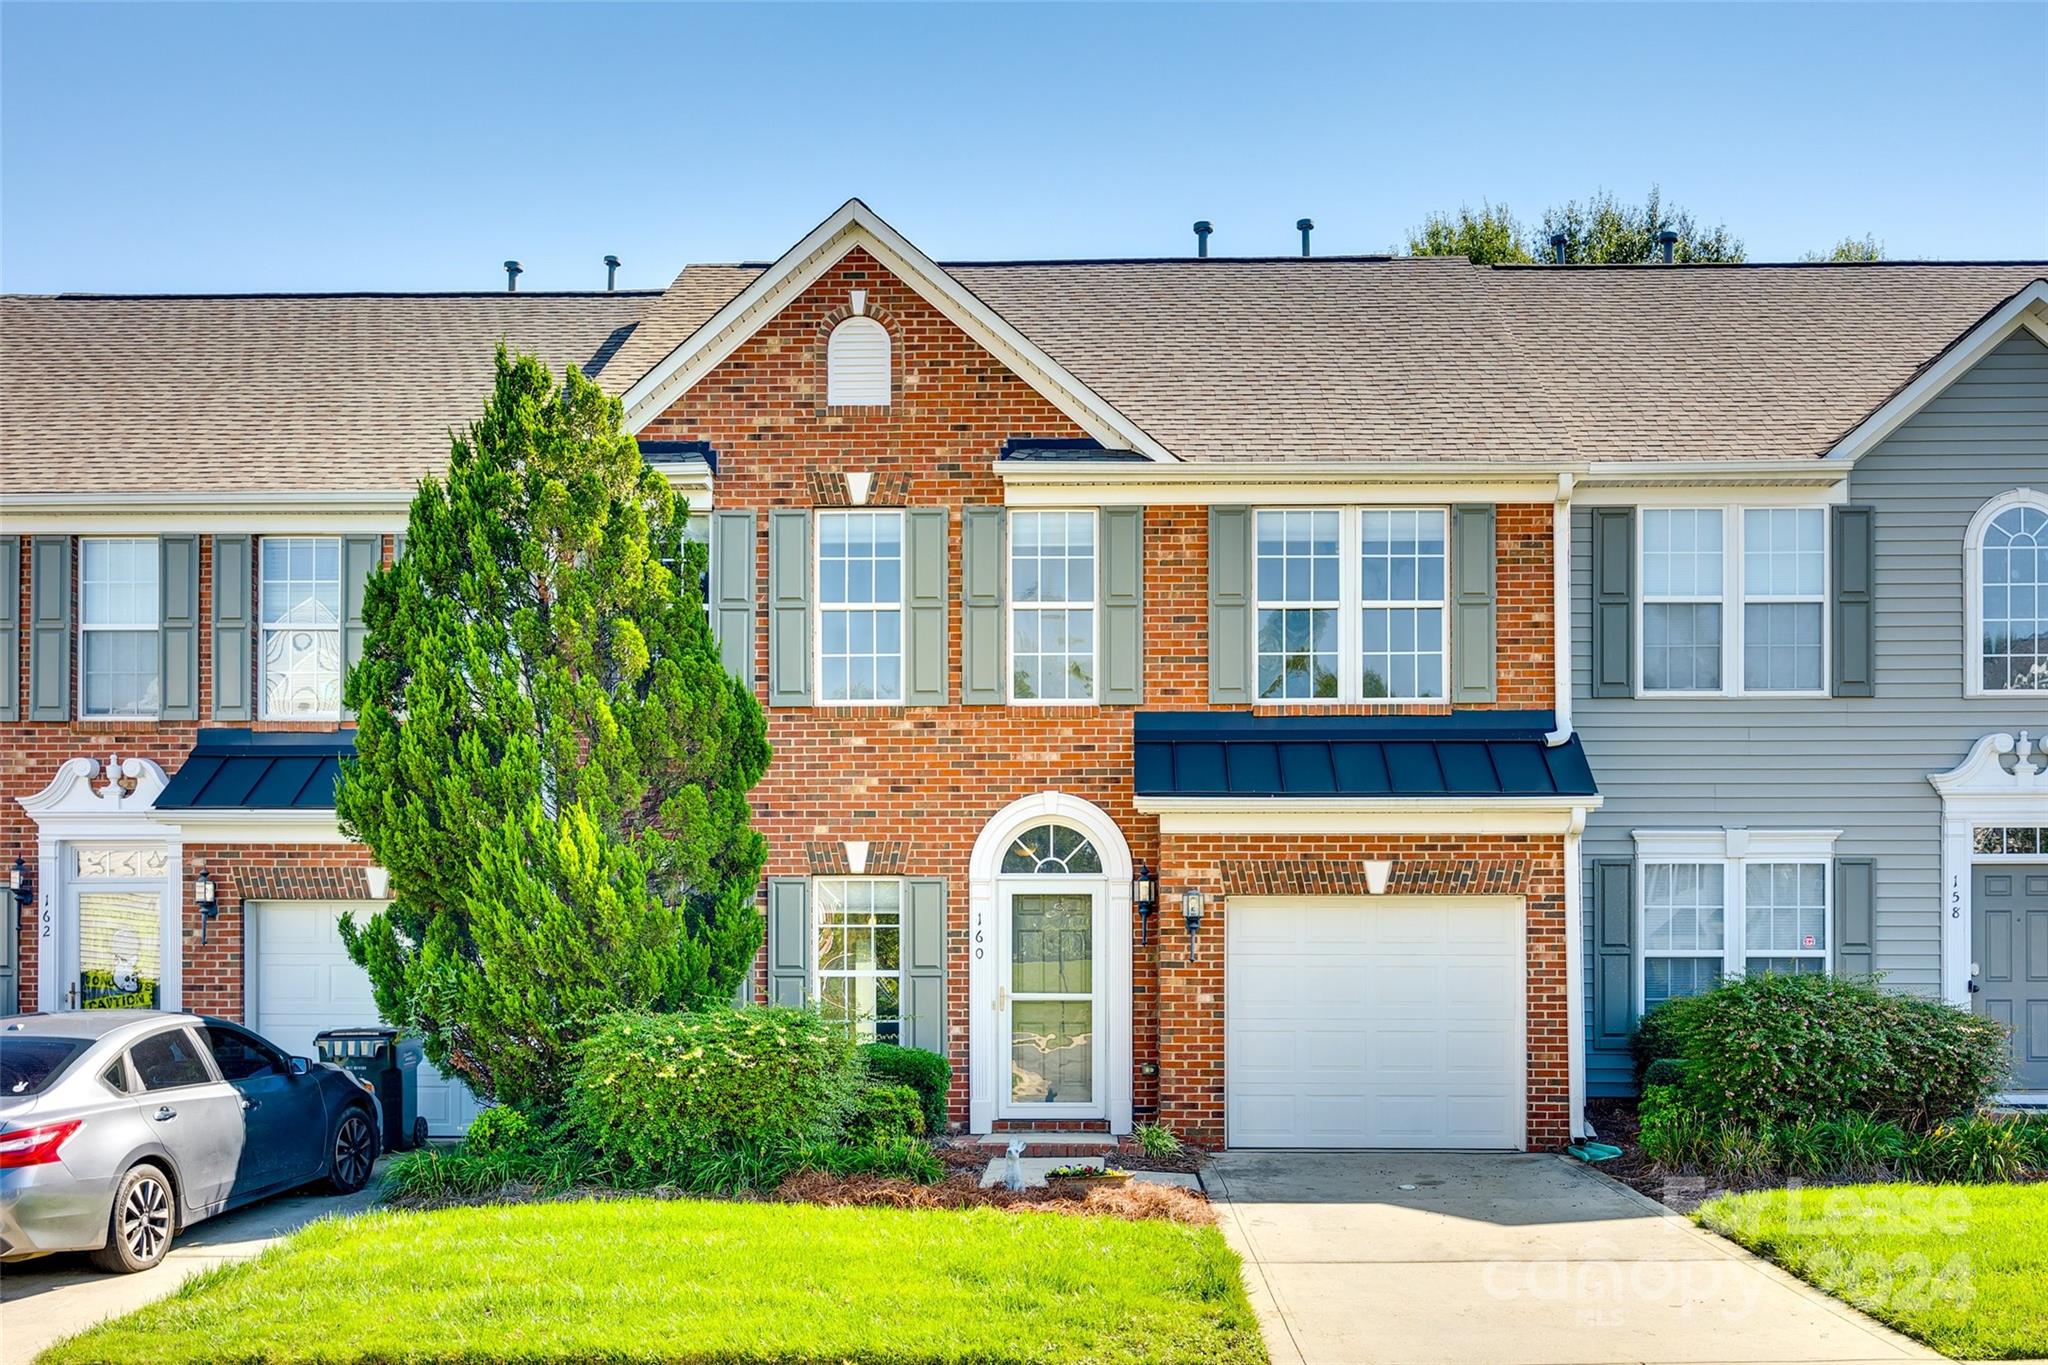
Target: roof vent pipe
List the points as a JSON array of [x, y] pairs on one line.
[[1557, 248], [1202, 230], [1304, 226], [513, 270], [1667, 244], [611, 273]]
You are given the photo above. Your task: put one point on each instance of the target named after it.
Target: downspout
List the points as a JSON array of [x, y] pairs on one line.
[[1575, 976], [1561, 610]]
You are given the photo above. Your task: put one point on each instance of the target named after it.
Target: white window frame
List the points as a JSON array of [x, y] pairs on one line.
[[863, 1030], [1735, 597], [1973, 591], [264, 628], [153, 627], [1093, 605], [1733, 850], [1351, 607], [819, 606]]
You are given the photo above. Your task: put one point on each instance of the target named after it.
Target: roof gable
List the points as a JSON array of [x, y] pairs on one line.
[[854, 226]]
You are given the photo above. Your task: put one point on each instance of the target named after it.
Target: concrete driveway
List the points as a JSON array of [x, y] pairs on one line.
[[46, 1300], [1400, 1258]]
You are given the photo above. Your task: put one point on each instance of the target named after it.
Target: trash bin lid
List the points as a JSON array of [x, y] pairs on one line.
[[357, 1031]]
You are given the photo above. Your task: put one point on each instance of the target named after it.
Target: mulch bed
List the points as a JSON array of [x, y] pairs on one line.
[[961, 1154]]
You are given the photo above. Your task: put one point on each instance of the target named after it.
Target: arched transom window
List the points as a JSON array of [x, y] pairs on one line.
[[1051, 849], [857, 364], [2012, 562]]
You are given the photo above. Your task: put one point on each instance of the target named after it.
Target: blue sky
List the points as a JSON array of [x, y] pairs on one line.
[[277, 147]]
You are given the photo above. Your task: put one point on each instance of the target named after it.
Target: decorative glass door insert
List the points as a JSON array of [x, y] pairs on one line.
[[1050, 999]]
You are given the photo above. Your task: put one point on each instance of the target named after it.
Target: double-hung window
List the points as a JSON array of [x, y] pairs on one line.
[[118, 614], [859, 952], [301, 609], [1052, 606], [1721, 585], [1352, 604], [860, 606], [1726, 903]]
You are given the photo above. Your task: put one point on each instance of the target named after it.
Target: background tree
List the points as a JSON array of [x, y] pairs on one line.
[[1488, 237], [551, 759], [1851, 249]]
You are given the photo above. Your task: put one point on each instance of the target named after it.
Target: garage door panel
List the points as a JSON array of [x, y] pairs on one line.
[[1360, 1023]]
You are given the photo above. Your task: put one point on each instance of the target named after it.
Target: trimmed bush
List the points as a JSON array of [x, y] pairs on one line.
[[1655, 1038], [502, 1130], [654, 1095], [1665, 1071], [884, 1111], [929, 1074], [1769, 1049]]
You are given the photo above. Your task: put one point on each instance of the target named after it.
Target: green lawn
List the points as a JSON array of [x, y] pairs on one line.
[[1963, 1268], [644, 1281]]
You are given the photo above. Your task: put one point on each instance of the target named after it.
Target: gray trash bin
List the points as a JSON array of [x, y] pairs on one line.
[[390, 1062]]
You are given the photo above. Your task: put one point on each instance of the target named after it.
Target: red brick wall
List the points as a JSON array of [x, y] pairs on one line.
[[926, 780], [1193, 1003], [256, 872]]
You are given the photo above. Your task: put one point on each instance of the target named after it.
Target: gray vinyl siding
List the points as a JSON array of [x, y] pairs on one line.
[[1860, 765]]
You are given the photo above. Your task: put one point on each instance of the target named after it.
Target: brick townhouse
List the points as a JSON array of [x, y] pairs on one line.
[[1170, 664]]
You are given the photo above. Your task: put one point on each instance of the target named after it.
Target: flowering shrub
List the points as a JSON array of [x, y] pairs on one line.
[[651, 1095]]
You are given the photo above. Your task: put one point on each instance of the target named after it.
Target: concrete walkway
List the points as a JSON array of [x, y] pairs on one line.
[[1402, 1258], [45, 1300]]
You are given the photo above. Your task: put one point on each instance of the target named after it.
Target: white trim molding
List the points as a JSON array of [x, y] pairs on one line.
[[853, 225], [986, 1064], [2026, 309], [1973, 590], [70, 810], [1981, 790], [1357, 815]]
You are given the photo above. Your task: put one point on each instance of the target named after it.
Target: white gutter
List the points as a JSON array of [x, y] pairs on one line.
[[1561, 609], [352, 500], [1737, 470], [1255, 471], [1574, 978]]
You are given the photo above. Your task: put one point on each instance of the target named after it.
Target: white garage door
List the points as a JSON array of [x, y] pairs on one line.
[[305, 982], [1387, 1021]]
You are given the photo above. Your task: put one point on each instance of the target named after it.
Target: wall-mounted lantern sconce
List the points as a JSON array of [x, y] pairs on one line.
[[1377, 873], [18, 882], [206, 897], [1191, 911], [1145, 900]]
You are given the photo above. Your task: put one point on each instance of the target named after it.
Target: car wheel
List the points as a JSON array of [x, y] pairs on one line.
[[419, 1133], [140, 1224], [355, 1152]]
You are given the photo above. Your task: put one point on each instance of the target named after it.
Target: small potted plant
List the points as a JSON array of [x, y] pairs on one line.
[[1074, 1181]]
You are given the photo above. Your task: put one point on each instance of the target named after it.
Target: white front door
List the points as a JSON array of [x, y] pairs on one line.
[[1375, 1021], [305, 981], [1051, 970]]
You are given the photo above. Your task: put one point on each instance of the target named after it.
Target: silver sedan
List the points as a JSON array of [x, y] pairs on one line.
[[119, 1128]]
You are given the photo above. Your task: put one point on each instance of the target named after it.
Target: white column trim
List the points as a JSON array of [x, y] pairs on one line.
[[984, 1049], [1981, 790]]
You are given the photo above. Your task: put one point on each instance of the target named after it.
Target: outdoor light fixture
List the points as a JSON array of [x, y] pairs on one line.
[[1191, 911], [18, 883], [1145, 900], [206, 898]]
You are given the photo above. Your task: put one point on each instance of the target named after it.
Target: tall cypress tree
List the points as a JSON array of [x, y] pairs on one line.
[[551, 759]]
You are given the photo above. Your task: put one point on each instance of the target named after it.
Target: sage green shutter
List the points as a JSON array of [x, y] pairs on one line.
[[360, 557], [10, 652], [1614, 952], [789, 607], [234, 628], [925, 561], [789, 940], [177, 632], [49, 628], [1120, 567], [1855, 916], [1230, 605], [1614, 610], [924, 963], [1472, 611], [1854, 671], [982, 646], [732, 591]]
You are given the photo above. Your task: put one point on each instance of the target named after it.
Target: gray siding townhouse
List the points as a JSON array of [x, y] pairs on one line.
[[1816, 700]]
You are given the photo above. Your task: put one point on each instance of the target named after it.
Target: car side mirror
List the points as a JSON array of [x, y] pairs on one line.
[[300, 1066]]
